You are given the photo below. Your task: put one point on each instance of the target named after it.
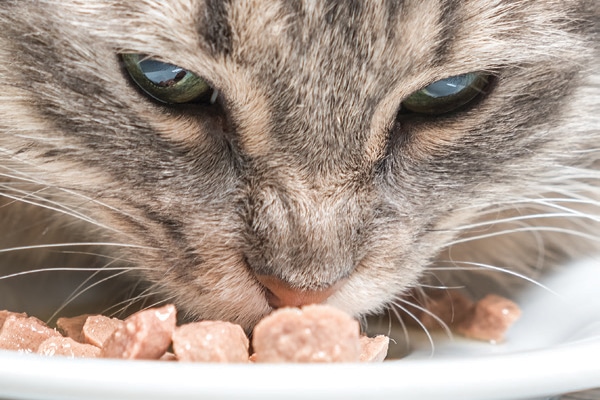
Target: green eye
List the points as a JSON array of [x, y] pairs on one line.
[[447, 94], [165, 82]]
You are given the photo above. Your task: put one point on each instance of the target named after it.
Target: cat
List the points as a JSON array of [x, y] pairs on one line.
[[240, 156]]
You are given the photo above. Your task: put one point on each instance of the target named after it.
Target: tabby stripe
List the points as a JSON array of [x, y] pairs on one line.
[[448, 21], [215, 28]]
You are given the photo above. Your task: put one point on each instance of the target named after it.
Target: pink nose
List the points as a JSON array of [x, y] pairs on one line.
[[281, 294]]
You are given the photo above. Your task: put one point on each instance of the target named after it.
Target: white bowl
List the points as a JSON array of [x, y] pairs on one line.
[[553, 349]]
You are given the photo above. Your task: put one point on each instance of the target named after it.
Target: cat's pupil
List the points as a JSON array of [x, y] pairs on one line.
[[162, 74]]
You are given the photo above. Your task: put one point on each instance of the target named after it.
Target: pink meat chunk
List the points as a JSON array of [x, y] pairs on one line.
[[5, 314], [491, 318], [374, 349], [211, 341], [450, 307], [316, 333], [487, 319], [65, 346], [168, 356], [24, 334], [98, 328], [144, 335], [73, 327]]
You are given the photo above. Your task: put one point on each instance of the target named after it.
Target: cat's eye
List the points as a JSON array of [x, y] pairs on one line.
[[165, 82], [447, 94]]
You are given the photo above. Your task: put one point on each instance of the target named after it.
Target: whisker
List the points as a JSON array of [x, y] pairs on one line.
[[69, 269], [566, 231], [414, 317], [74, 296], [509, 204], [89, 278], [70, 192], [437, 319], [97, 255], [125, 304], [74, 244], [402, 324], [527, 217], [474, 266], [60, 208], [436, 287], [52, 206], [162, 301]]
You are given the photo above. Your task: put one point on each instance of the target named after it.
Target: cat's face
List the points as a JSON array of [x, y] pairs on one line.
[[304, 166]]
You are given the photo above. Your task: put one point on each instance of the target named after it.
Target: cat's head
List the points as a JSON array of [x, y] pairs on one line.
[[326, 150]]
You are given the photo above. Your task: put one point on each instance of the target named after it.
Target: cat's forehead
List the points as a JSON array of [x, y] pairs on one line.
[[339, 44], [347, 54], [298, 35]]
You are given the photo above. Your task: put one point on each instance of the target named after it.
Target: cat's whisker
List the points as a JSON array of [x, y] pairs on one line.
[[94, 273], [73, 244], [393, 309], [162, 301], [541, 204], [121, 307], [444, 287], [519, 218], [424, 310], [399, 306], [475, 266], [529, 229], [96, 255], [102, 204], [72, 194], [67, 269], [54, 206], [75, 295]]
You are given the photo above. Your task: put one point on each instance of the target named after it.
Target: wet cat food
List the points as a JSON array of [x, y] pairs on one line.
[[144, 335], [211, 341], [65, 346], [24, 334], [98, 328], [312, 334], [487, 319]]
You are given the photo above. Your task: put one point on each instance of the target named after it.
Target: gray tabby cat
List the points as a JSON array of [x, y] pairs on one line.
[[245, 155]]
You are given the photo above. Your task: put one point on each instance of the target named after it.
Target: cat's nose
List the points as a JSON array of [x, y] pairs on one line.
[[281, 294]]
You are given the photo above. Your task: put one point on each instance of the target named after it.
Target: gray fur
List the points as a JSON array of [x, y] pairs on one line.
[[305, 170]]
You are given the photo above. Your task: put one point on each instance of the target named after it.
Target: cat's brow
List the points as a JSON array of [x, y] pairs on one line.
[[214, 26], [450, 11]]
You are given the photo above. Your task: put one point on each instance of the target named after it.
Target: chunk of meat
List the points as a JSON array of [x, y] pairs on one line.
[[4, 314], [315, 333], [490, 319], [487, 319], [66, 346], [451, 307], [98, 328], [144, 335], [211, 341], [73, 327], [374, 349], [24, 334]]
